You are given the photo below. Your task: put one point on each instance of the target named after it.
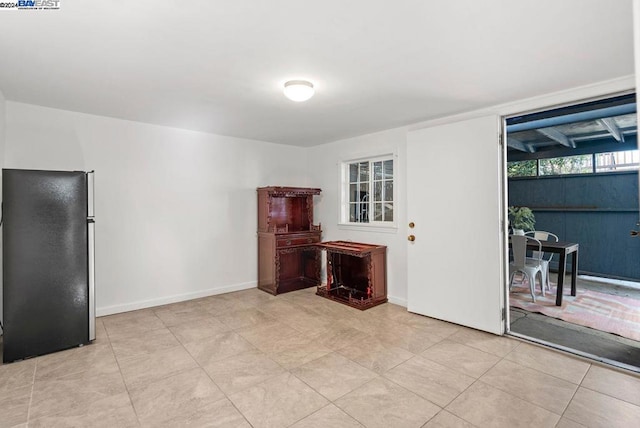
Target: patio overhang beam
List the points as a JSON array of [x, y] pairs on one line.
[[573, 117], [603, 145]]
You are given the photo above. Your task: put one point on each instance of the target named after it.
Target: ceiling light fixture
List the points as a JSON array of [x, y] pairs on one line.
[[298, 90]]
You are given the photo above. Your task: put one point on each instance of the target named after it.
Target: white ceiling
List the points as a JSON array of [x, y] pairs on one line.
[[217, 66]]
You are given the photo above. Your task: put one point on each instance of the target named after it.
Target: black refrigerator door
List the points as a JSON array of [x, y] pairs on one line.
[[45, 273]]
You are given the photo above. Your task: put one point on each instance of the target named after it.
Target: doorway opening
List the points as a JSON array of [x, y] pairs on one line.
[[572, 173]]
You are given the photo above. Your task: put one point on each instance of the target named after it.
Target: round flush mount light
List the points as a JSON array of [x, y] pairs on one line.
[[298, 90]]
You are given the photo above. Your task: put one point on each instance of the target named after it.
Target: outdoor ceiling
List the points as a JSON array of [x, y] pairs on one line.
[[218, 66], [591, 130]]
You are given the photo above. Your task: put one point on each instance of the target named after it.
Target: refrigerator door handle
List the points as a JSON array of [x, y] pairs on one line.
[[91, 256], [92, 283], [90, 194]]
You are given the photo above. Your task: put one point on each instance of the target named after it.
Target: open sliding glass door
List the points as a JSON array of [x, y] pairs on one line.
[[456, 268]]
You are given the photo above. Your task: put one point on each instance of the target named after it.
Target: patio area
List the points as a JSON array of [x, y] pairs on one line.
[[601, 344]]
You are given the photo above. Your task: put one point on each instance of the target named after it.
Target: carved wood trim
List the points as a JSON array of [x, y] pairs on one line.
[[276, 262], [369, 275], [309, 203], [291, 191]]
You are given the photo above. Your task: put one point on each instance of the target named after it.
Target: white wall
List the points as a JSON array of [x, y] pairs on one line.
[[175, 209], [324, 172]]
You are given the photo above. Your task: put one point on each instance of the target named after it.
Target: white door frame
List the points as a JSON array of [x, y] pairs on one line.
[[505, 189]]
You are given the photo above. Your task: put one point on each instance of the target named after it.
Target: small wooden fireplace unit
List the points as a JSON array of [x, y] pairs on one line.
[[356, 273]]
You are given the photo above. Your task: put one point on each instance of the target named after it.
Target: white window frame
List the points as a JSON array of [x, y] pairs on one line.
[[381, 226]]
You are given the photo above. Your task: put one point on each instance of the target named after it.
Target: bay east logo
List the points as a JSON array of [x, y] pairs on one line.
[[30, 5]]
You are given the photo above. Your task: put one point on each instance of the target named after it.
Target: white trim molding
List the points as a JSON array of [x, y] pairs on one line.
[[151, 303]]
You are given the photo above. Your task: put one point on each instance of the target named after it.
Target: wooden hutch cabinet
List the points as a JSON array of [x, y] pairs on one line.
[[356, 273], [287, 257]]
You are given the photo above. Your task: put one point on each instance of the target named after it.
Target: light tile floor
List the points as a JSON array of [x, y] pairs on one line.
[[249, 359]]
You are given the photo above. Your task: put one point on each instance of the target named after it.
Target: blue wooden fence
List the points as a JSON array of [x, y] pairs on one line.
[[595, 210]]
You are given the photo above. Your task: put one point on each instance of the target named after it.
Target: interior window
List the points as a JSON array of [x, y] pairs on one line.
[[370, 190]]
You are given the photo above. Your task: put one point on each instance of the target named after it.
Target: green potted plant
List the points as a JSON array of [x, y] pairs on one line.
[[521, 219]]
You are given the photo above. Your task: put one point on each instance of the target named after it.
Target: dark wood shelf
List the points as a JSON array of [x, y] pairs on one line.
[[287, 257]]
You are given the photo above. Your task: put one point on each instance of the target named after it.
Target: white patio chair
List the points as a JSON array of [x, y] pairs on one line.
[[528, 266], [545, 258]]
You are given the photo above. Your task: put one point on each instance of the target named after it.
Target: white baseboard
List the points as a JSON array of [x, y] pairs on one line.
[[142, 304], [397, 301]]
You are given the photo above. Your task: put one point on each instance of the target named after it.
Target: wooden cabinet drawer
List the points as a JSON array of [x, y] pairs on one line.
[[291, 241]]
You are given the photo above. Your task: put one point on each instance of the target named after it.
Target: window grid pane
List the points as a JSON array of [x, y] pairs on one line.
[[364, 171], [388, 212], [388, 169], [370, 191], [388, 190], [377, 170], [354, 212], [377, 212], [353, 192], [353, 173], [377, 191]]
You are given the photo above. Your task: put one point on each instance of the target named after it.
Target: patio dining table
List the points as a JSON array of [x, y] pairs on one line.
[[563, 249]]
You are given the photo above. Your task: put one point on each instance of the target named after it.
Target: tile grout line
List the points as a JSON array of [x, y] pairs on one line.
[[609, 395], [199, 366], [385, 371], [447, 411], [381, 375], [460, 371], [567, 407], [259, 383], [330, 403], [526, 401], [415, 393], [226, 397], [478, 379], [321, 394], [604, 393], [345, 410], [33, 385], [287, 371], [448, 337], [465, 390], [549, 374], [126, 387]]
